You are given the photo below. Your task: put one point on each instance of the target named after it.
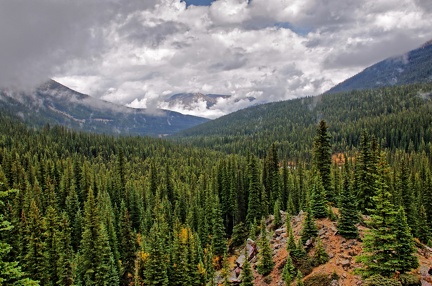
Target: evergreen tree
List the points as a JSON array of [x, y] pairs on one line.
[[289, 271], [35, 262], [10, 271], [219, 242], [380, 241], [127, 246], [271, 176], [309, 227], [318, 199], [348, 214], [364, 174], [254, 204], [405, 249], [96, 262], [322, 159], [299, 279], [424, 231], [156, 266], [65, 271], [277, 214], [265, 262], [320, 256], [247, 275]]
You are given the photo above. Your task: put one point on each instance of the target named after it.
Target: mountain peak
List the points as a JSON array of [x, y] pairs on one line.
[[412, 67]]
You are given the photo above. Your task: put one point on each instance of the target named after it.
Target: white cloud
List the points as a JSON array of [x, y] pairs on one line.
[[138, 53]]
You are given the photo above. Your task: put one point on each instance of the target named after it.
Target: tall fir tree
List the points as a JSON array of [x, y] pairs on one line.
[[380, 241], [156, 265], [309, 229], [254, 203], [10, 271], [348, 211], [318, 198], [247, 277], [405, 249], [265, 262], [364, 174], [322, 159], [127, 246]]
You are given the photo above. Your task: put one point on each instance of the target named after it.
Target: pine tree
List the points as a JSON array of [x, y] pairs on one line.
[[289, 271], [309, 227], [424, 231], [299, 279], [322, 159], [65, 271], [247, 275], [219, 242], [34, 262], [380, 241], [348, 214], [254, 202], [318, 199], [127, 246], [277, 214], [364, 174], [96, 262], [10, 271], [291, 244], [405, 248], [320, 256], [156, 266], [265, 262]]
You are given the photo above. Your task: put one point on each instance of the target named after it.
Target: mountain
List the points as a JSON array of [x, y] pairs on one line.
[[412, 67], [57, 104], [399, 116]]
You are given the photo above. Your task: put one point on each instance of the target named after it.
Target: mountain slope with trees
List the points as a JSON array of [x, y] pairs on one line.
[[412, 67], [399, 118], [55, 104]]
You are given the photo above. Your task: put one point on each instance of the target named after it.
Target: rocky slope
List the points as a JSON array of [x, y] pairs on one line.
[[342, 253]]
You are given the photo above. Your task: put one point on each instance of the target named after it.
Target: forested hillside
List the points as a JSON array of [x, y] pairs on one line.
[[86, 209], [399, 117]]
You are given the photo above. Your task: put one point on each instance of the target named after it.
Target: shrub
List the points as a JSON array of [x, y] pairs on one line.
[[378, 280], [410, 280], [318, 280]]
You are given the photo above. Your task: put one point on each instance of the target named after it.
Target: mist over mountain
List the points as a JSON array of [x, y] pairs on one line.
[[412, 67], [56, 104]]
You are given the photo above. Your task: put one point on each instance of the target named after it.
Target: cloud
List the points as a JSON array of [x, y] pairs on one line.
[[137, 53]]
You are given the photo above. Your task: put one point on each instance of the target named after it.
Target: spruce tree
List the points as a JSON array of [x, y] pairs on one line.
[[405, 249], [10, 271], [364, 174], [424, 231], [299, 279], [348, 216], [254, 202], [309, 227], [276, 214], [318, 199], [127, 246], [320, 256], [247, 275], [289, 271], [265, 262], [65, 271], [35, 262], [156, 266], [380, 241], [322, 159]]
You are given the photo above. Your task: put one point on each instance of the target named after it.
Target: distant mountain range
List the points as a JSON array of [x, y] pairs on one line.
[[53, 103], [412, 67]]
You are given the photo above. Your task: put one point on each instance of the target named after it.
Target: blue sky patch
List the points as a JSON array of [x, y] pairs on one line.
[[198, 2]]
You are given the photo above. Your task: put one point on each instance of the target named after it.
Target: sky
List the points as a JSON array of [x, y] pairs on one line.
[[138, 53]]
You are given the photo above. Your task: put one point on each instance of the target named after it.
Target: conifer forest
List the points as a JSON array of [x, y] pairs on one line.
[[79, 208]]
